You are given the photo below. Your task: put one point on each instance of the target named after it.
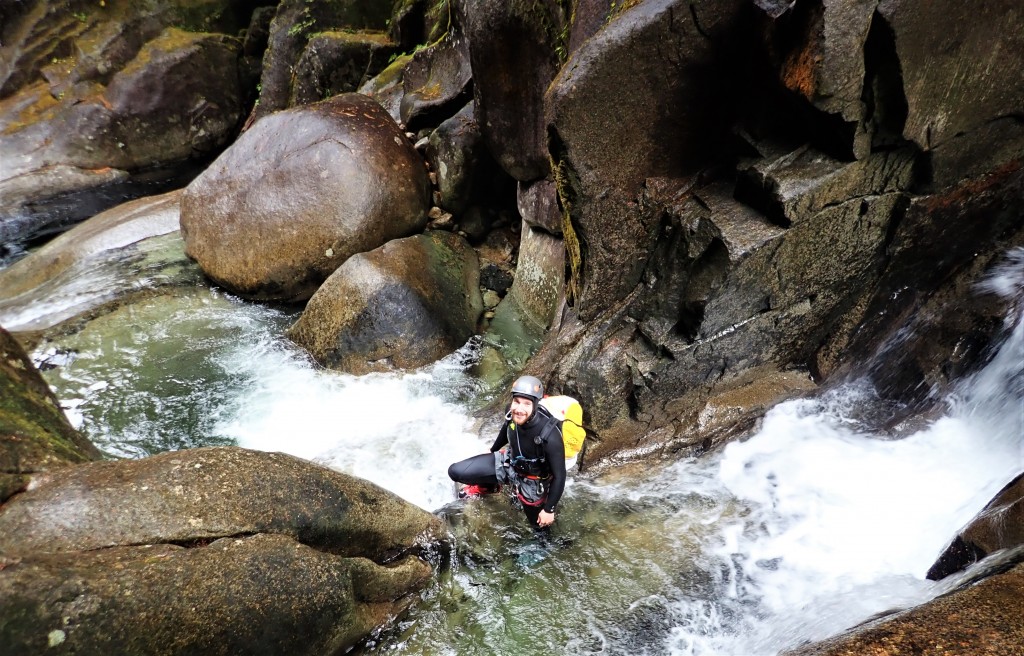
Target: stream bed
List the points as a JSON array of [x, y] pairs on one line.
[[813, 524]]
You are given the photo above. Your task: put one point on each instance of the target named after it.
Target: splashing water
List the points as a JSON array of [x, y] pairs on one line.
[[810, 526]]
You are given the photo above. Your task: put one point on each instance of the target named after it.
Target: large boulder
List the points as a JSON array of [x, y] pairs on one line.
[[35, 436], [114, 112], [299, 193], [214, 550], [403, 305], [205, 494], [514, 48], [262, 594]]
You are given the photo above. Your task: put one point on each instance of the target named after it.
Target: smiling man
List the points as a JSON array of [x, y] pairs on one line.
[[533, 463]]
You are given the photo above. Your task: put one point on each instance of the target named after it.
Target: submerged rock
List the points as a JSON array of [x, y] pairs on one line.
[[403, 305], [299, 193], [55, 282]]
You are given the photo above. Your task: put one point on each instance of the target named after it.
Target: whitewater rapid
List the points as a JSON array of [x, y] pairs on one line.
[[813, 524]]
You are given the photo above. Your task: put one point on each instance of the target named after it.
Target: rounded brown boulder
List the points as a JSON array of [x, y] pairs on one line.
[[301, 192], [260, 594], [404, 305]]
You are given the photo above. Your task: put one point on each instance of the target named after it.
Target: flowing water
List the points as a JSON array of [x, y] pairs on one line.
[[812, 525]]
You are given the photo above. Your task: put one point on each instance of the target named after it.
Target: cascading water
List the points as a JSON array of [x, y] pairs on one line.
[[811, 525]]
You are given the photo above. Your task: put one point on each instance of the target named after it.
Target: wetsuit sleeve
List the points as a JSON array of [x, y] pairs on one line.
[[502, 438], [554, 450]]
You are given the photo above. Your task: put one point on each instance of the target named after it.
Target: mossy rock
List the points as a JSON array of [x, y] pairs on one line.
[[34, 433]]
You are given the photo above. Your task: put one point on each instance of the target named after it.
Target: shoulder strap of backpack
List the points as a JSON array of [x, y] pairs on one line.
[[550, 428]]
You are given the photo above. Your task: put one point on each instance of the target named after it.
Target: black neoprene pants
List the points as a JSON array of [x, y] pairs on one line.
[[478, 470]]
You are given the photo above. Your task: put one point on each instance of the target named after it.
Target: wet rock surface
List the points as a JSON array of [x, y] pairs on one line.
[[213, 550], [35, 436], [982, 619], [206, 494], [89, 129], [343, 180], [403, 305], [1000, 525]]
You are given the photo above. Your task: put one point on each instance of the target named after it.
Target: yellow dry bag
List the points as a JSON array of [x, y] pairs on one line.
[[569, 412]]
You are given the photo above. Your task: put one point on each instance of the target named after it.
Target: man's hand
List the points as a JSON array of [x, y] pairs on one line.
[[545, 518]]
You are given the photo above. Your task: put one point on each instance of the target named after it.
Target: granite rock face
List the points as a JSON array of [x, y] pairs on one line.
[[213, 550]]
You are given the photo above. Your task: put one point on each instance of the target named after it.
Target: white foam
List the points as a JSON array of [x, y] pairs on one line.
[[842, 524], [394, 430]]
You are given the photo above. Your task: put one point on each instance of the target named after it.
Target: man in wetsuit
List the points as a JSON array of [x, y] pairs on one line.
[[534, 462]]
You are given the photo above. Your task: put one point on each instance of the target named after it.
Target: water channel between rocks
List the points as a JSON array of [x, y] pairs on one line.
[[810, 526]]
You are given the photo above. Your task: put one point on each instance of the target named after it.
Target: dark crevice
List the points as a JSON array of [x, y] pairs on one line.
[[706, 275], [885, 101], [696, 22], [760, 192], [198, 543], [566, 184], [632, 404]]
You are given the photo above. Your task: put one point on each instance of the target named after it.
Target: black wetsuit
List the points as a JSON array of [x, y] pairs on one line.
[[523, 441]]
